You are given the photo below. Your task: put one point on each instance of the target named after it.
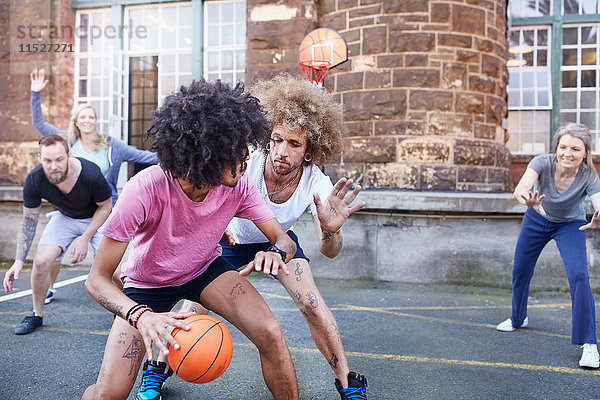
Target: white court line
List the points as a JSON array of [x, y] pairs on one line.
[[56, 285]]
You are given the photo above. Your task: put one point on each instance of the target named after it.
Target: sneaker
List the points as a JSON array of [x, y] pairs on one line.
[[49, 296], [507, 326], [152, 380], [357, 387], [589, 356], [28, 325]]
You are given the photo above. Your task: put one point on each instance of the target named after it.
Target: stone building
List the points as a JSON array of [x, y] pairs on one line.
[[424, 90]]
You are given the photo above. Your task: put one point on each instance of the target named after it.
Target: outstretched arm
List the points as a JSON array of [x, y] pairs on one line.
[[332, 214], [24, 240], [38, 83], [131, 154], [523, 191], [595, 222]]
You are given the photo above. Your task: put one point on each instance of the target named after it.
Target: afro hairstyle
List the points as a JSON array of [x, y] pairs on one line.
[[204, 128], [294, 102]]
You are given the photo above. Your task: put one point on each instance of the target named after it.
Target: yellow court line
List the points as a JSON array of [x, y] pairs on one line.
[[434, 308], [390, 357], [529, 367], [446, 320], [507, 306]]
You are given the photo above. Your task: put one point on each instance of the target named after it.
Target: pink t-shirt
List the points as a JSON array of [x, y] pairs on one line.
[[174, 239]]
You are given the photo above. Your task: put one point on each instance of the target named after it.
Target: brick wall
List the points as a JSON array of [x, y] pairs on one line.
[[423, 89], [18, 138]]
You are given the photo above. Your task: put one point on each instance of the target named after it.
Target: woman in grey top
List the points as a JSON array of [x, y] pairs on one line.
[[561, 181]]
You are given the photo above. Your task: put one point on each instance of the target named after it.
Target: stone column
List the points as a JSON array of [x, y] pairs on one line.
[[274, 32], [424, 92]]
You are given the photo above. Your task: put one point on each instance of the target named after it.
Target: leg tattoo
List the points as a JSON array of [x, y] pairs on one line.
[[134, 353], [298, 272], [333, 361], [312, 299], [237, 290]]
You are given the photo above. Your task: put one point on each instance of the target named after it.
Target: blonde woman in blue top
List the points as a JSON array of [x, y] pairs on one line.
[[85, 142], [84, 139], [560, 182]]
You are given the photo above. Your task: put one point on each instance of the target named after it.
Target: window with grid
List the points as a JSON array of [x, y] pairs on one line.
[[169, 28], [529, 95], [579, 74], [225, 41], [554, 72], [92, 65]]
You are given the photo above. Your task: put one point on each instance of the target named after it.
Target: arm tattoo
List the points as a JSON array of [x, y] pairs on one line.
[[326, 234], [134, 353], [111, 306], [27, 231]]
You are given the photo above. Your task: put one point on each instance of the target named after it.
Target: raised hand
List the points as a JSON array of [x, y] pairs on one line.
[[334, 211], [38, 81], [594, 223], [535, 201]]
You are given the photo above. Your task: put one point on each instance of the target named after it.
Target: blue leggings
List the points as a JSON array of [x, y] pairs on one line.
[[536, 232]]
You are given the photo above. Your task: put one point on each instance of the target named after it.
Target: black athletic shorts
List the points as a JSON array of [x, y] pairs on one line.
[[164, 299]]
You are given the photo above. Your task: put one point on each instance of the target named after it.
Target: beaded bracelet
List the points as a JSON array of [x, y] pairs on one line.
[[132, 310], [135, 316]]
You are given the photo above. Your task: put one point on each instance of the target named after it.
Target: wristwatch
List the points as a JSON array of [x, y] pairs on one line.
[[279, 251]]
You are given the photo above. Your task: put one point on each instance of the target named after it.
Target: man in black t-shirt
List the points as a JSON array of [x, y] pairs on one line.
[[82, 198]]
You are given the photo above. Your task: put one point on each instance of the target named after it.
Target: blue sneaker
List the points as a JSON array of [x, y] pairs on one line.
[[357, 387], [152, 381], [49, 296]]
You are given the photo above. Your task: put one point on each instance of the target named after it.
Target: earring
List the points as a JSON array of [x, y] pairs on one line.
[[307, 157], [268, 146]]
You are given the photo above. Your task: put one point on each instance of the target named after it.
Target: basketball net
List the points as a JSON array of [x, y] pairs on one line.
[[315, 71]]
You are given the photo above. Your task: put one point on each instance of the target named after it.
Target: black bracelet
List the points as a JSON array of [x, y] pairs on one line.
[[132, 310], [279, 251]]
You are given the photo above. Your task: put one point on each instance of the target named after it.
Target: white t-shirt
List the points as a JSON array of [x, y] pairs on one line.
[[312, 180]]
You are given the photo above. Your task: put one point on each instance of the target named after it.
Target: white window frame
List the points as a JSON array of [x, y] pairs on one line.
[[238, 71]]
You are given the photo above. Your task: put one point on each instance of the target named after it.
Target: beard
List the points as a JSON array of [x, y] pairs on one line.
[[57, 179], [284, 169]]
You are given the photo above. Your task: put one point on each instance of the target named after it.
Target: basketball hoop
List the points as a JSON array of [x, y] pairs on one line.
[[315, 70]]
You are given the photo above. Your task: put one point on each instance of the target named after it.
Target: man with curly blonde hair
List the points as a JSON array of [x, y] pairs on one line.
[[307, 131]]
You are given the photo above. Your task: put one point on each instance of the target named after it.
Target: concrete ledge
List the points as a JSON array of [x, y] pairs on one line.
[[403, 236], [453, 202]]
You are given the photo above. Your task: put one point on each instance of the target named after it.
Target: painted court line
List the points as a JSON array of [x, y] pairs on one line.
[[27, 292], [445, 320], [389, 357]]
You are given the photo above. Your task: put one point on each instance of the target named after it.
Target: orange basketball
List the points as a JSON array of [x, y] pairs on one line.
[[205, 350]]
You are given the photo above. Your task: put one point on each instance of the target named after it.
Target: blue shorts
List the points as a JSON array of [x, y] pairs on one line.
[[62, 230], [164, 299], [242, 254]]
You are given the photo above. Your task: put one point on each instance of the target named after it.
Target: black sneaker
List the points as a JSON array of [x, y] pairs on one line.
[[357, 387], [152, 381], [28, 325]]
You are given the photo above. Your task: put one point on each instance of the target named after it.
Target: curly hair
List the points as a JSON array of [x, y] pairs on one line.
[[295, 103], [204, 128], [73, 132]]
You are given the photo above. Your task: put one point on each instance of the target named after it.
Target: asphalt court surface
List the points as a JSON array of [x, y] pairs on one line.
[[411, 341]]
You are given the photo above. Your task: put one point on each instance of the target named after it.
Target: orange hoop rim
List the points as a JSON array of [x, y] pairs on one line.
[[315, 64]]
